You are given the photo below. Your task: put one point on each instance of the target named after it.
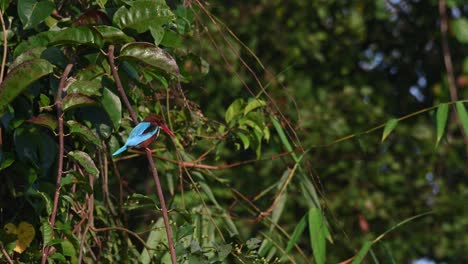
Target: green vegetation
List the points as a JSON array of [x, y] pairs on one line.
[[307, 132]]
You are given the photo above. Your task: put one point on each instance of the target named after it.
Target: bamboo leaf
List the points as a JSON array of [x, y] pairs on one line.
[[389, 127], [297, 233], [463, 115], [441, 118], [362, 252], [317, 235]]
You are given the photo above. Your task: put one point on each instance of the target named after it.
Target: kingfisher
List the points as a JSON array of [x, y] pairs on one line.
[[145, 133]]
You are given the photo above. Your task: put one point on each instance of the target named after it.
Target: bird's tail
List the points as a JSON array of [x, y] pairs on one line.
[[122, 149]]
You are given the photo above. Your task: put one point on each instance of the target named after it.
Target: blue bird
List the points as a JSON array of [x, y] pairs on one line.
[[145, 133]]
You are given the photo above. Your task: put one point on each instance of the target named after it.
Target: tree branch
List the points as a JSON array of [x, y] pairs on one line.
[[58, 103], [154, 171]]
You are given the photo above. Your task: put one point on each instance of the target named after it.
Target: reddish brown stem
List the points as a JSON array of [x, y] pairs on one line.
[[58, 103], [154, 171]]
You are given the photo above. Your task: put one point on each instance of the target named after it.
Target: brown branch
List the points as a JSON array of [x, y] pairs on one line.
[[5, 47], [58, 103], [448, 62], [154, 171]]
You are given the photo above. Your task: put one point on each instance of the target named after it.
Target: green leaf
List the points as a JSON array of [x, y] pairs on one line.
[[19, 78], [296, 233], [281, 134], [33, 53], [317, 235], [32, 12], [244, 138], [112, 106], [68, 249], [362, 252], [6, 159], [234, 110], [4, 5], [460, 29], [113, 35], [157, 33], [253, 104], [38, 40], [156, 237], [76, 100], [85, 161], [150, 54], [463, 115], [389, 126], [75, 36], [142, 15], [84, 132], [45, 120], [441, 117], [85, 87], [46, 231]]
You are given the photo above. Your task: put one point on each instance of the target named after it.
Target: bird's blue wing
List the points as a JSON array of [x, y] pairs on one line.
[[139, 129], [133, 141]]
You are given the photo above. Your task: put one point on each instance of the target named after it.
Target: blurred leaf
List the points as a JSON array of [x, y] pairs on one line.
[[150, 54], [4, 5], [362, 252], [76, 100], [463, 115], [6, 159], [38, 40], [279, 130], [113, 35], [442, 114], [32, 12], [84, 132], [317, 236], [389, 126], [19, 78], [113, 107], [68, 249], [460, 29], [142, 15], [156, 237], [253, 104], [244, 138], [45, 120], [85, 161], [76, 36], [26, 233], [33, 53], [296, 233], [157, 33], [234, 110]]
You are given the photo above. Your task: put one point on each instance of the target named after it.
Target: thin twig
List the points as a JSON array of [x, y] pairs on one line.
[[5, 47], [58, 103], [5, 253], [154, 171]]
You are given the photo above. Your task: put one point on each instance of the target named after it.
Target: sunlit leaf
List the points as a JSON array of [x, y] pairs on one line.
[[85, 161], [234, 110], [253, 104], [151, 55], [142, 15], [76, 36], [389, 127], [441, 118], [19, 78], [25, 232]]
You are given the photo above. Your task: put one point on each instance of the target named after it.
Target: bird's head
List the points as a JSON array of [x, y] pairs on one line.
[[156, 120]]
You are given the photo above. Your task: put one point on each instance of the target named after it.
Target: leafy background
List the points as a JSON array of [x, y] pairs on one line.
[[313, 131]]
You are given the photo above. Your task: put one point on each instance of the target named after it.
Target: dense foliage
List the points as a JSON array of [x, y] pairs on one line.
[[304, 131]]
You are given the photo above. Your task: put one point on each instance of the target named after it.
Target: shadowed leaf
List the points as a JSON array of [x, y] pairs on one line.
[[85, 161], [32, 12], [142, 15], [19, 78], [45, 120], [76, 100], [441, 118], [84, 132]]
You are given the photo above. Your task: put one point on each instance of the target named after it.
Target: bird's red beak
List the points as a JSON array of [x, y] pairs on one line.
[[169, 132]]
